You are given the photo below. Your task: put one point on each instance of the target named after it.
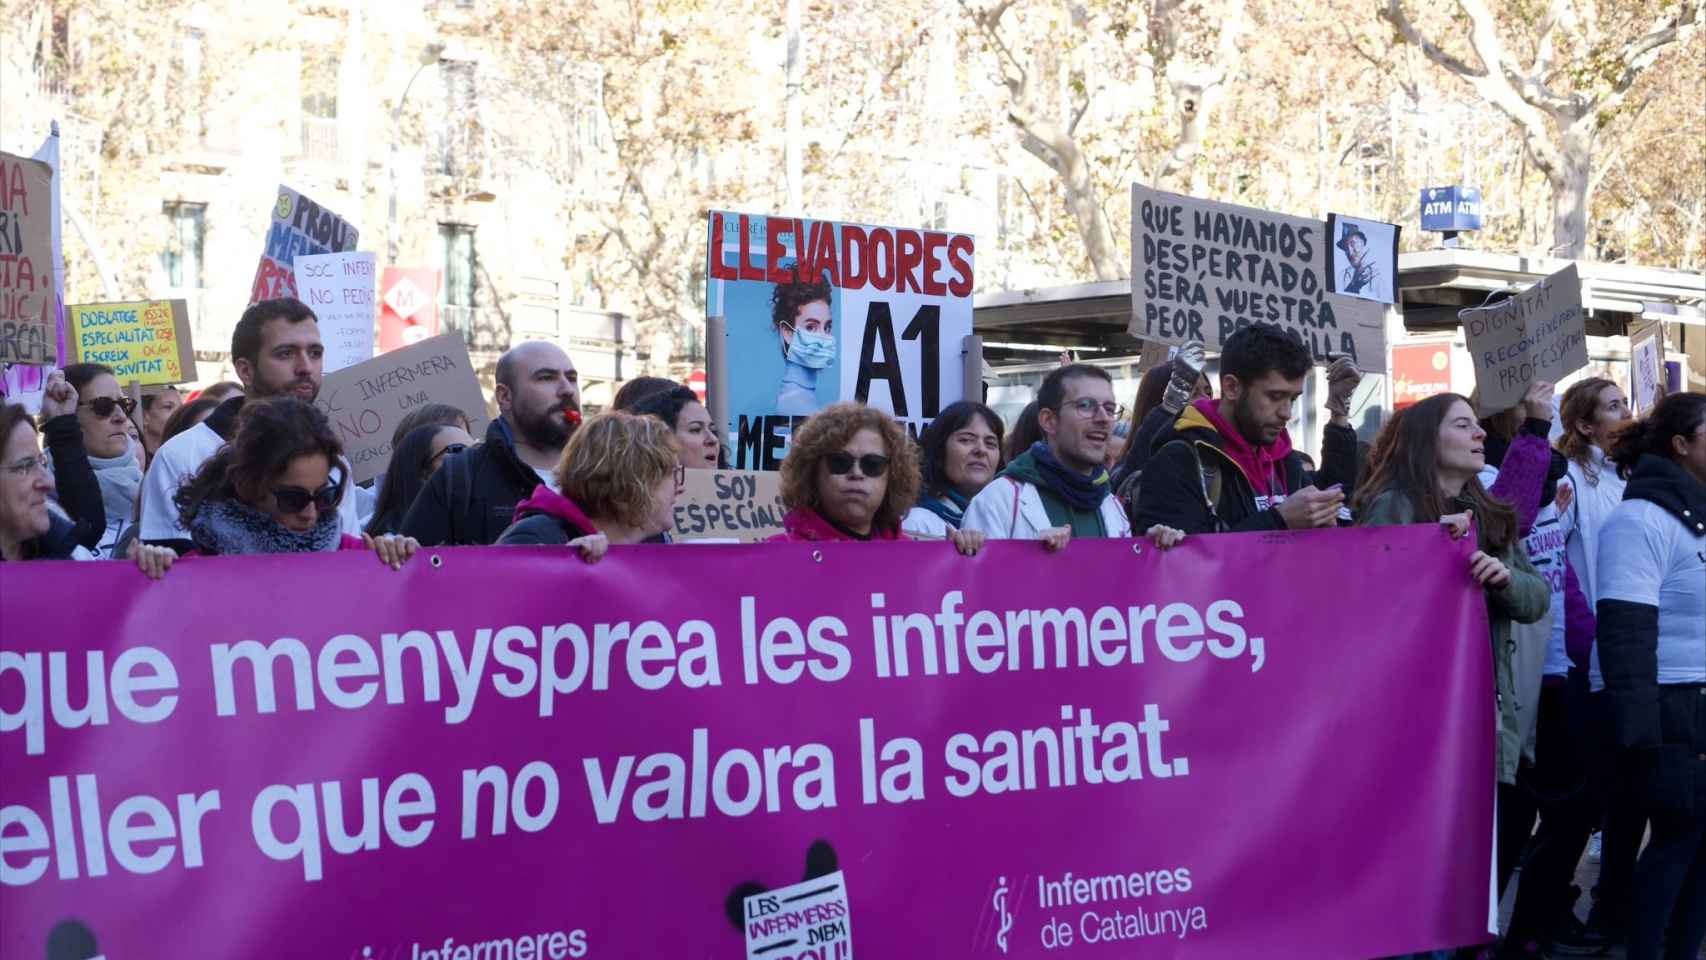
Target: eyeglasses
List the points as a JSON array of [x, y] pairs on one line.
[[296, 499], [1086, 408], [449, 448], [870, 465], [28, 465], [103, 406]]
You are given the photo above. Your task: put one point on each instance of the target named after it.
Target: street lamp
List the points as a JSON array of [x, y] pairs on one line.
[[431, 55]]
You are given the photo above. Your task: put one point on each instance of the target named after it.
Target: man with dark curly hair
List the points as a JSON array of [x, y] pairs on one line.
[[800, 312]]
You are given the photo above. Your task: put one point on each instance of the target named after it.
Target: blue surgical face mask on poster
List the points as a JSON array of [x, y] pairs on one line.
[[814, 351]]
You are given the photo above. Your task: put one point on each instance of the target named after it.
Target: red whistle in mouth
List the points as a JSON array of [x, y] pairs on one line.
[[573, 416]]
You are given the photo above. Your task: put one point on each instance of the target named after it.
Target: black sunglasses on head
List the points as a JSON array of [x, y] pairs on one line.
[[103, 406], [449, 448], [870, 465]]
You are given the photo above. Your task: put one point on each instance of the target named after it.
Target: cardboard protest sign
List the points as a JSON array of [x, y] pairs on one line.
[[338, 287], [819, 312], [146, 341], [744, 505], [1363, 260], [367, 401], [1202, 269], [1646, 366], [29, 312], [299, 226], [1539, 334]]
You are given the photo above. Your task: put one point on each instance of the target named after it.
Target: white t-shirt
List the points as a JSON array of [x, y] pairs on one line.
[[1649, 557], [1589, 509], [547, 479], [177, 460]]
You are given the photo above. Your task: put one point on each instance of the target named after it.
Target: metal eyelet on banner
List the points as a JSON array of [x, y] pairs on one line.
[[817, 556], [1137, 548], [437, 561]]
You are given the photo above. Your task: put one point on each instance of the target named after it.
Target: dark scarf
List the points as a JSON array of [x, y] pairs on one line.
[[1079, 491], [230, 527], [950, 506]]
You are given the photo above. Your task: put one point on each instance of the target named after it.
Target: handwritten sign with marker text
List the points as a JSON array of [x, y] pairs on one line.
[[145, 341], [1200, 270], [1539, 334], [744, 505], [299, 227], [339, 287], [367, 401], [27, 300]]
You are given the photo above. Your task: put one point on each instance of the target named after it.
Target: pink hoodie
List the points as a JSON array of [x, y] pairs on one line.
[[1261, 465], [803, 524]]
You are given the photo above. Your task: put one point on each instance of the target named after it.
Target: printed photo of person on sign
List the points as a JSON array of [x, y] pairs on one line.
[[1365, 255], [801, 314]]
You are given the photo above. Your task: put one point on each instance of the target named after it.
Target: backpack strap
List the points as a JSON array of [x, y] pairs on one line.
[[1213, 482]]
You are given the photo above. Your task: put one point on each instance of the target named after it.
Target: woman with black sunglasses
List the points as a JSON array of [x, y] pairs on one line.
[[104, 415], [413, 462], [275, 488], [852, 474]]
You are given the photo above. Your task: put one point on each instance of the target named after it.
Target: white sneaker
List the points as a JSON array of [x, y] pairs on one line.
[[1593, 847]]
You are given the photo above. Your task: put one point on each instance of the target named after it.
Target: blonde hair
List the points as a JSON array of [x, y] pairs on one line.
[[613, 463], [827, 433]]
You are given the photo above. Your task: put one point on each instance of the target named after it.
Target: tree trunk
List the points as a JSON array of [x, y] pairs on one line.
[[1572, 186], [1060, 151]]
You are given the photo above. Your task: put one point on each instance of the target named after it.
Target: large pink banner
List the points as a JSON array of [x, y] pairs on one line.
[[1267, 746]]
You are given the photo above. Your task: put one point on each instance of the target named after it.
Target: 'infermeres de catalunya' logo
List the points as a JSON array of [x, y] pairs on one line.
[[1003, 916]]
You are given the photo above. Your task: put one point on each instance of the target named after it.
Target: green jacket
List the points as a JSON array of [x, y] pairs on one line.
[[1524, 600]]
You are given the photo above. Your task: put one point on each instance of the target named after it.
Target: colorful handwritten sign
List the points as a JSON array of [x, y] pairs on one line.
[[147, 341], [28, 311], [299, 226], [338, 287]]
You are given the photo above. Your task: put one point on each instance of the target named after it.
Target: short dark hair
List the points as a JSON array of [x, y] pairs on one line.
[[79, 374], [1251, 352], [1053, 391], [430, 415], [221, 391], [405, 477], [246, 338], [665, 405], [187, 416], [933, 445], [787, 299], [639, 390]]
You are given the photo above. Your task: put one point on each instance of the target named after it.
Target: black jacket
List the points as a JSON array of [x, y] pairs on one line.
[[78, 491], [471, 498], [1174, 493], [1663, 726]]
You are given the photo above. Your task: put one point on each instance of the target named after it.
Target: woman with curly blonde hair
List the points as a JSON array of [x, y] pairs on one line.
[[619, 477], [851, 474]]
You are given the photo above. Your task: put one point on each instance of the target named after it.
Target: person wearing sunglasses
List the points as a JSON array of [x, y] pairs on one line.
[[106, 417], [618, 480], [413, 461], [850, 474], [275, 488], [1058, 489], [29, 528], [75, 495]]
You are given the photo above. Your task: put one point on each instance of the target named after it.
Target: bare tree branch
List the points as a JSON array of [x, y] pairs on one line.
[[1639, 54]]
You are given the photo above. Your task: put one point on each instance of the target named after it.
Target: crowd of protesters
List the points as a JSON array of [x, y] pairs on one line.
[[1591, 550]]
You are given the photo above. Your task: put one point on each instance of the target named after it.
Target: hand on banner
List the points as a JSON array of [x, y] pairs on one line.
[[1458, 523], [58, 398], [154, 561], [1055, 538], [1566, 494], [967, 542], [592, 547], [1537, 403], [1311, 507], [393, 550], [1489, 571], [1165, 537], [1342, 380]]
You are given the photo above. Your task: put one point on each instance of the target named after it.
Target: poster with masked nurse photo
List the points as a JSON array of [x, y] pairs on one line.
[[817, 312]]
